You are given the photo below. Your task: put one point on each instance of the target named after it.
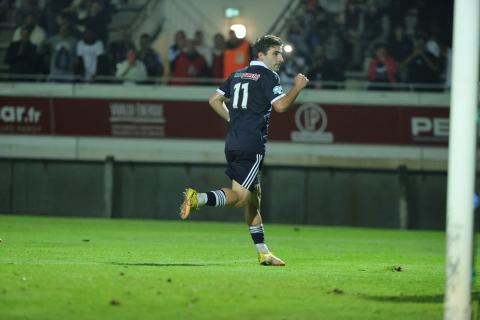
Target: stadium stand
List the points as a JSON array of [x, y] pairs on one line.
[[334, 44]]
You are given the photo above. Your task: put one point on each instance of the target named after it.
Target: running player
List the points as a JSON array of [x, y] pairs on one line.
[[245, 100]]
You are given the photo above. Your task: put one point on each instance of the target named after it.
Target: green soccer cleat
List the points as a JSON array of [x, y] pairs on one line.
[[190, 202], [268, 259]]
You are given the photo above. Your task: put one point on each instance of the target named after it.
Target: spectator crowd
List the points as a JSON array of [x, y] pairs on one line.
[[386, 41], [68, 40]]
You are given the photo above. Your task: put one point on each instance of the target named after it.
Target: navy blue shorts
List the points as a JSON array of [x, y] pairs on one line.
[[244, 167]]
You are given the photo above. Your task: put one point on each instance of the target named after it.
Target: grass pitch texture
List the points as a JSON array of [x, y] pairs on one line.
[[71, 268]]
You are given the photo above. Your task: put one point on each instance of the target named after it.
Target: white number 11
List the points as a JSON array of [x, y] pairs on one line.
[[244, 96]]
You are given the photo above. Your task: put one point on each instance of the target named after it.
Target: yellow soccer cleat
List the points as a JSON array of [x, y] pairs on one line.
[[268, 259], [190, 202]]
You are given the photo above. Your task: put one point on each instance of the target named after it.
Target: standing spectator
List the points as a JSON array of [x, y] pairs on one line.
[[5, 7], [118, 49], [422, 66], [78, 9], [98, 19], [296, 36], [236, 54], [375, 23], [89, 49], [400, 46], [317, 32], [53, 9], [189, 64], [62, 51], [217, 56], [317, 71], [25, 8], [176, 48], [354, 27], [149, 57], [131, 70], [37, 34], [291, 67], [382, 70], [21, 56], [202, 48], [334, 58], [411, 21]]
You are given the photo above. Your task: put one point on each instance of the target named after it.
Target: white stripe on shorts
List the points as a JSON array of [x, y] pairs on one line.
[[253, 173]]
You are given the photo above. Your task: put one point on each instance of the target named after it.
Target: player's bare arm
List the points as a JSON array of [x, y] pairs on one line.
[[283, 104], [217, 102]]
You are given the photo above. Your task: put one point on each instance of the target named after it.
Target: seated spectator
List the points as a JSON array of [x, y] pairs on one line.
[[118, 49], [21, 56], [131, 70], [217, 56], [176, 48], [149, 57], [62, 51], [89, 49], [422, 67], [37, 34], [189, 64], [382, 70]]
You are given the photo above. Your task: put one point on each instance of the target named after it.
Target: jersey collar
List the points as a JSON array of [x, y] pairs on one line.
[[261, 64], [258, 63]]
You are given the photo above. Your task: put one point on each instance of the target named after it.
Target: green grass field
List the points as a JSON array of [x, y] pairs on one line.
[[71, 268]]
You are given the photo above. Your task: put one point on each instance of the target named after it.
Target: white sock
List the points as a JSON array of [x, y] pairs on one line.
[[202, 198], [262, 248]]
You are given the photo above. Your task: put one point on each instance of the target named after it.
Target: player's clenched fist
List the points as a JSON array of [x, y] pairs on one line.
[[301, 80]]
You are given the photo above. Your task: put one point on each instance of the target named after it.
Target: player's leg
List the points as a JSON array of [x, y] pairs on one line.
[[237, 197], [242, 167], [253, 219]]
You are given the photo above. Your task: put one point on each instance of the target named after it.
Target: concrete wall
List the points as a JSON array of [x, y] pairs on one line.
[[325, 196]]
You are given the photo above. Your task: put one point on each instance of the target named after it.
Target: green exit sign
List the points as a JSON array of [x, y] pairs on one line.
[[232, 12]]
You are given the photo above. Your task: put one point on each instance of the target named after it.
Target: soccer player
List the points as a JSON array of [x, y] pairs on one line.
[[245, 100]]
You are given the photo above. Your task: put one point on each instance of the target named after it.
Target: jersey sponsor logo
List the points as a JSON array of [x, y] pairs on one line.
[[247, 75], [277, 90], [311, 121]]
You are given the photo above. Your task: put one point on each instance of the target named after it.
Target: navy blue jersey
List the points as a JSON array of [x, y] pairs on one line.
[[250, 93]]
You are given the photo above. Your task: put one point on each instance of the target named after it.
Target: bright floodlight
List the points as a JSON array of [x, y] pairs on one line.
[[240, 30], [288, 48]]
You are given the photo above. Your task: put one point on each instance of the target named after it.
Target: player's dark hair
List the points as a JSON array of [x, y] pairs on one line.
[[264, 43]]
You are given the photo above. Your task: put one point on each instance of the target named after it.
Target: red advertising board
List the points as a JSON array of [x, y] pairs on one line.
[[25, 115], [305, 123]]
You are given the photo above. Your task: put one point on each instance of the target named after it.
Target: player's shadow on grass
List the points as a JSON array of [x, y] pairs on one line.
[[439, 298], [154, 264]]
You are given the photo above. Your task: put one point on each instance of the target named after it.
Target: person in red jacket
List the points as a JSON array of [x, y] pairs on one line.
[[382, 71], [189, 64]]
